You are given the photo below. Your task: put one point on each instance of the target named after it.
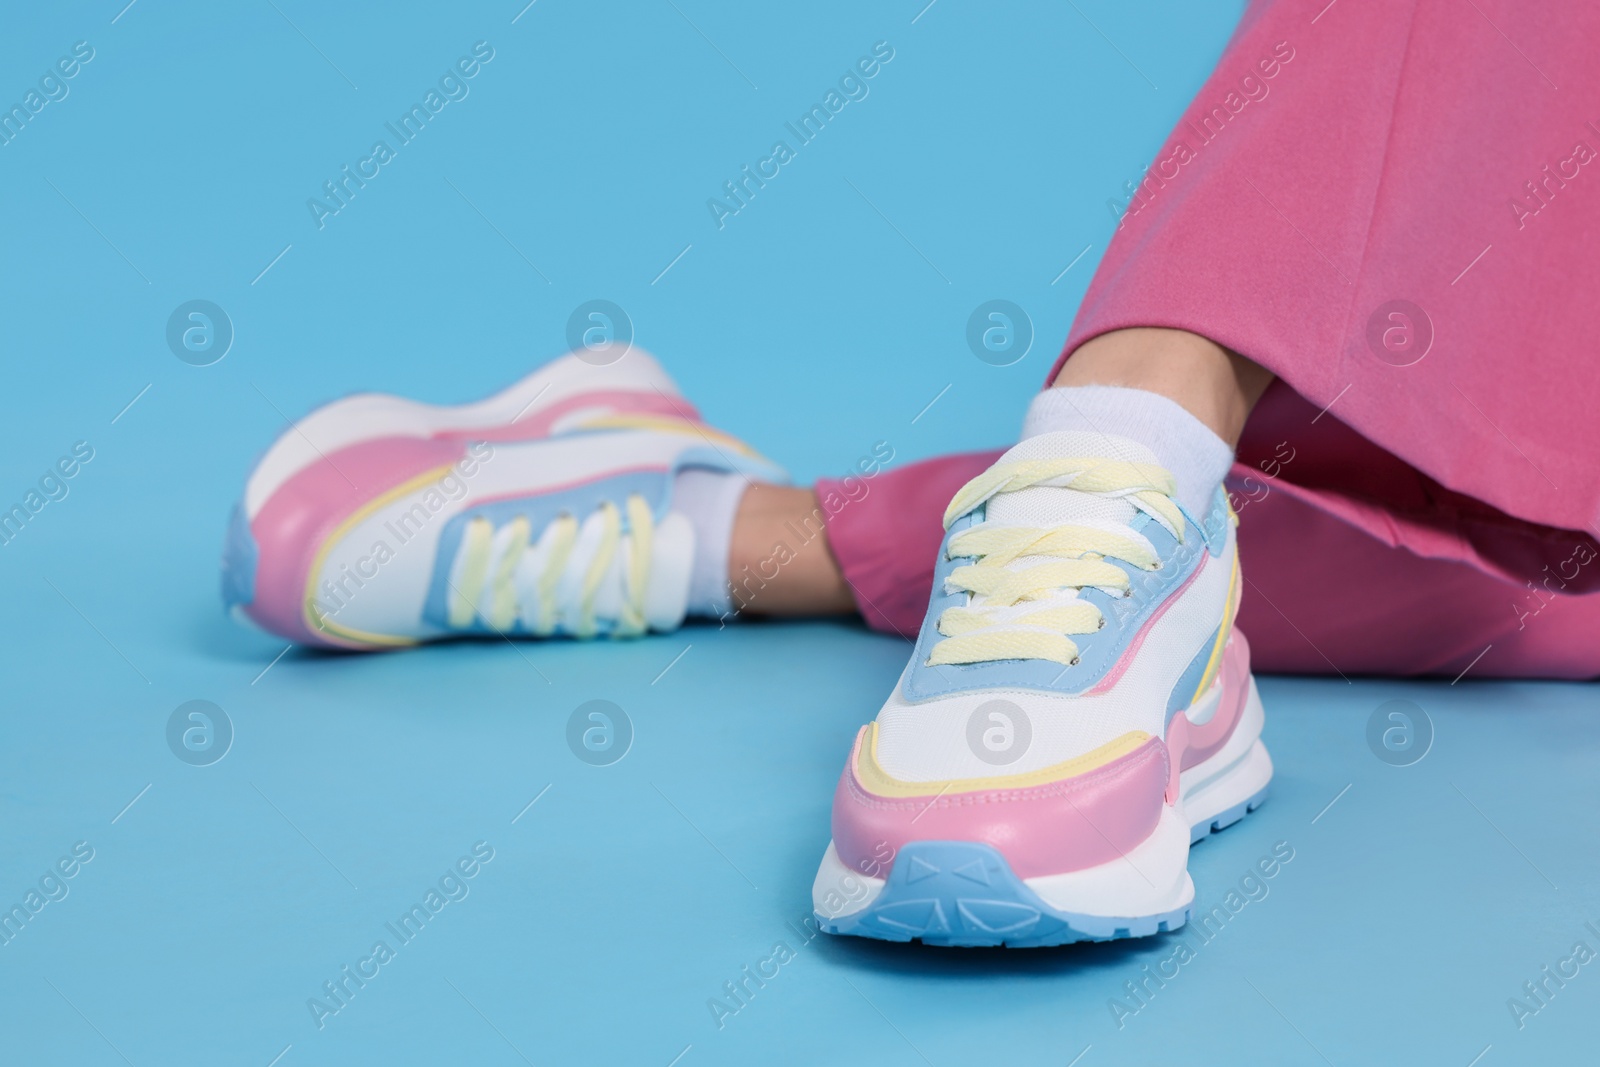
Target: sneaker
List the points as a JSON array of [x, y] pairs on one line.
[[545, 510], [1077, 712]]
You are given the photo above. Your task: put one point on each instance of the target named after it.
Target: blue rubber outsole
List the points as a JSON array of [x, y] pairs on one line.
[[964, 894]]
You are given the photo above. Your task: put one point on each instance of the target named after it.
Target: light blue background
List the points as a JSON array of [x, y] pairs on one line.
[[823, 318]]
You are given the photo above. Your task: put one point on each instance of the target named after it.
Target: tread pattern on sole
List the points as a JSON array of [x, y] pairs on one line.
[[1227, 817], [964, 894]]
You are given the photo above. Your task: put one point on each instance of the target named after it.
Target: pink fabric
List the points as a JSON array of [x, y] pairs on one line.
[[1400, 142], [1047, 829], [295, 521], [1322, 596], [1338, 471]]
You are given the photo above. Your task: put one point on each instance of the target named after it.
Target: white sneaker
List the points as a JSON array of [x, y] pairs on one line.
[[1077, 711], [544, 510]]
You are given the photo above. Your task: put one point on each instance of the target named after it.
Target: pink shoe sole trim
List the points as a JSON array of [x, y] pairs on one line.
[[1069, 825]]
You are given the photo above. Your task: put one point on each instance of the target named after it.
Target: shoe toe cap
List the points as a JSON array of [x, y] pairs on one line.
[[1070, 816]]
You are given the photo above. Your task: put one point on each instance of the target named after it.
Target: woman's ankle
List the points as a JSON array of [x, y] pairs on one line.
[[1216, 386], [780, 562]]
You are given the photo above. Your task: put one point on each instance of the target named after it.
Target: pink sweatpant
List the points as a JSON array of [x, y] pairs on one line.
[[1393, 207]]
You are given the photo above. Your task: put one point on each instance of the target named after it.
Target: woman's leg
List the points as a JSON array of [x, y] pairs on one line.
[[1297, 215], [779, 560], [887, 528], [1324, 595], [886, 534], [865, 544]]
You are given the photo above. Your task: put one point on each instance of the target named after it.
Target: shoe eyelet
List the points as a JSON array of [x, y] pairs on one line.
[[1075, 661], [1102, 625]]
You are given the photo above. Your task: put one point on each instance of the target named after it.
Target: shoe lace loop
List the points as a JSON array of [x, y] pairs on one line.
[[1023, 586], [502, 575]]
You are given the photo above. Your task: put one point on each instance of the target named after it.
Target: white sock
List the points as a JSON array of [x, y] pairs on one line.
[[1197, 458], [709, 500]]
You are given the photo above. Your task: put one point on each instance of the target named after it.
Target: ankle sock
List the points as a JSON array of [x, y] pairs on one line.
[[1197, 457], [709, 499]]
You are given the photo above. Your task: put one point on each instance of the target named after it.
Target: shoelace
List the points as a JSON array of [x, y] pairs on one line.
[[1027, 611], [501, 579]]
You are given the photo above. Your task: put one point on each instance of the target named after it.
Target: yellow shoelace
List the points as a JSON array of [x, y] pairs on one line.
[[1023, 613], [488, 584]]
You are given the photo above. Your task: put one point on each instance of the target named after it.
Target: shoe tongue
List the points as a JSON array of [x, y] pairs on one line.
[[1046, 505]]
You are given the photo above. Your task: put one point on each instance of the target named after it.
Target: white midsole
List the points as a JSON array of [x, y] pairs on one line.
[[372, 415], [1150, 879], [1239, 771]]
